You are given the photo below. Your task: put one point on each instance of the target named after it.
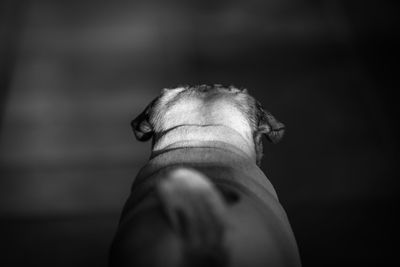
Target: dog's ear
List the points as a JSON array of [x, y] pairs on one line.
[[141, 125], [268, 125]]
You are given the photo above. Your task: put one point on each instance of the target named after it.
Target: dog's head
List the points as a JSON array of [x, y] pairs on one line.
[[208, 105]]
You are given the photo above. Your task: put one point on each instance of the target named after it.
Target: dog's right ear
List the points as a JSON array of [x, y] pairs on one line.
[[141, 125], [268, 125]]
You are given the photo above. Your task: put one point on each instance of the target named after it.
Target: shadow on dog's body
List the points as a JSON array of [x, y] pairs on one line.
[[202, 200]]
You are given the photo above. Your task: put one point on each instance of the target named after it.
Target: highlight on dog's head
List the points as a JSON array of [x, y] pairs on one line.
[[147, 123], [186, 105], [203, 105]]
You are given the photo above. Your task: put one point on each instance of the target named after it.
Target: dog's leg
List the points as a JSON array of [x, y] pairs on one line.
[[183, 224], [196, 212]]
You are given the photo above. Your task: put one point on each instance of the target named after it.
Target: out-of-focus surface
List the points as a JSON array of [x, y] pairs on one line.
[[74, 73]]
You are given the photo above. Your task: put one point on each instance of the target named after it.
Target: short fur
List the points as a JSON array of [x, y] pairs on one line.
[[261, 121], [193, 205]]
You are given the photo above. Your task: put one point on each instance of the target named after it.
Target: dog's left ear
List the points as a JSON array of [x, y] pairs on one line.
[[268, 125], [141, 125]]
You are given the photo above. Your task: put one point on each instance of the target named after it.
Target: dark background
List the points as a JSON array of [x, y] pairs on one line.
[[74, 73]]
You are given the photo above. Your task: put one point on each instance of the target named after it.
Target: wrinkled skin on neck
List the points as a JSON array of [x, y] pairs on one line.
[[195, 119], [207, 113]]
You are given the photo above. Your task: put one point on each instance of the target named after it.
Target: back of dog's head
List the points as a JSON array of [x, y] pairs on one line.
[[207, 105]]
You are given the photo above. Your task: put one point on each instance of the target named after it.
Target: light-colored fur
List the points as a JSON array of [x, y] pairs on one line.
[[209, 117]]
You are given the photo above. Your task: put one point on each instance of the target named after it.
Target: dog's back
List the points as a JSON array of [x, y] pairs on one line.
[[219, 210]]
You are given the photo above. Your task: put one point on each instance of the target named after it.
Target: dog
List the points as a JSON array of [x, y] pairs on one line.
[[202, 200]]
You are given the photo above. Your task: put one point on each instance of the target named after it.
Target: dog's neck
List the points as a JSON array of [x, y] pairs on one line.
[[203, 135]]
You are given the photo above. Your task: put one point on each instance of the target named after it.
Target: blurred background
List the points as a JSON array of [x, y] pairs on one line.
[[74, 73]]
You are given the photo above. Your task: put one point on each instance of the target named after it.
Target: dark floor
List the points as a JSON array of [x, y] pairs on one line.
[[73, 75]]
